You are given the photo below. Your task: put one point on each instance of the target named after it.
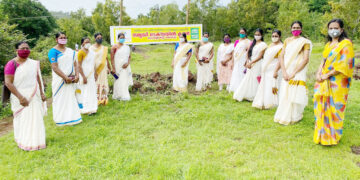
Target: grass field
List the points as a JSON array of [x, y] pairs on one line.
[[186, 136]]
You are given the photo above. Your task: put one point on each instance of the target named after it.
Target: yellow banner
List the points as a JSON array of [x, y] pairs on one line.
[[156, 34]]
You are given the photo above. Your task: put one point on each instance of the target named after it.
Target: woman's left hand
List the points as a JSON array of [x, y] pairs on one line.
[[184, 65], [43, 97], [125, 65], [223, 63], [291, 76], [76, 79], [324, 77]]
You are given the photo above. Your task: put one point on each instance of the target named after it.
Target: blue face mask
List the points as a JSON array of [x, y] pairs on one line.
[[242, 35], [205, 39], [121, 41]]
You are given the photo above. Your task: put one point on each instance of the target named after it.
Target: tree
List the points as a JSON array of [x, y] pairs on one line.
[[31, 17], [106, 15], [85, 21], [9, 36], [345, 9], [290, 11]]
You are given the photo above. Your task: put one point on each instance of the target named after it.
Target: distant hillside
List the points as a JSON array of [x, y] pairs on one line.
[[60, 14]]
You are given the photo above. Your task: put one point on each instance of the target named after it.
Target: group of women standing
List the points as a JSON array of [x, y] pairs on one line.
[[79, 85], [269, 75], [275, 75]]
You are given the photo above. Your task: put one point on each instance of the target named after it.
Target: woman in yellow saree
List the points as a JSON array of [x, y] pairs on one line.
[[332, 86], [101, 73]]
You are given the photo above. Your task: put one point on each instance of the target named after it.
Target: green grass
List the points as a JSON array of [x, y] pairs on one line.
[[186, 136]]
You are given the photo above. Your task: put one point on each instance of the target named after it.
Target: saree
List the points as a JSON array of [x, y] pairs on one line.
[[29, 129], [293, 94], [240, 57], [101, 71], [66, 110], [249, 85], [266, 96], [204, 71], [331, 95], [180, 74], [224, 72], [121, 85], [88, 90]]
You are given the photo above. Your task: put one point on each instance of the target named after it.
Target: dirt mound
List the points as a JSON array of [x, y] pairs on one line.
[[156, 83], [355, 150]]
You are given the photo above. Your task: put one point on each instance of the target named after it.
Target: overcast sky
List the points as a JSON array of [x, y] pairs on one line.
[[133, 7]]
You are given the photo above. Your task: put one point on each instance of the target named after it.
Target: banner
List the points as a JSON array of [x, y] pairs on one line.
[[156, 34]]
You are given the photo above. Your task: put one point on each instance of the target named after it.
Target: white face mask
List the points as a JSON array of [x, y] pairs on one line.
[[275, 39], [334, 33], [257, 37], [87, 45], [182, 40]]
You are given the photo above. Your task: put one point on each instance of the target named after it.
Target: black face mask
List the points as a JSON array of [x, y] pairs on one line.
[[99, 41]]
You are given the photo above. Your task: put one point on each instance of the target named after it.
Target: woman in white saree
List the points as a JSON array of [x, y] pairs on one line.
[[294, 60], [180, 64], [249, 85], [240, 57], [266, 96], [120, 58], [23, 79], [65, 75], [87, 84], [204, 65]]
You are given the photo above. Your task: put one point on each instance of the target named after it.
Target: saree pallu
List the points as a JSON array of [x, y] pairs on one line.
[[180, 74], [88, 90], [204, 71], [101, 71], [249, 85], [293, 96], [29, 129], [331, 95], [121, 85], [240, 57], [266, 96], [66, 109]]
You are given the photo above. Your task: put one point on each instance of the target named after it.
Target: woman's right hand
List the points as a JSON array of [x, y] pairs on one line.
[[172, 65], [286, 76], [85, 80], [24, 102], [275, 75], [68, 80]]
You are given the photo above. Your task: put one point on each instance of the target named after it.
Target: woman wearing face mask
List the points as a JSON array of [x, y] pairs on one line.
[[120, 58], [101, 68], [204, 56], [23, 79], [249, 85], [86, 60], [180, 64], [333, 80], [64, 76], [294, 59], [224, 62], [240, 57], [266, 96]]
